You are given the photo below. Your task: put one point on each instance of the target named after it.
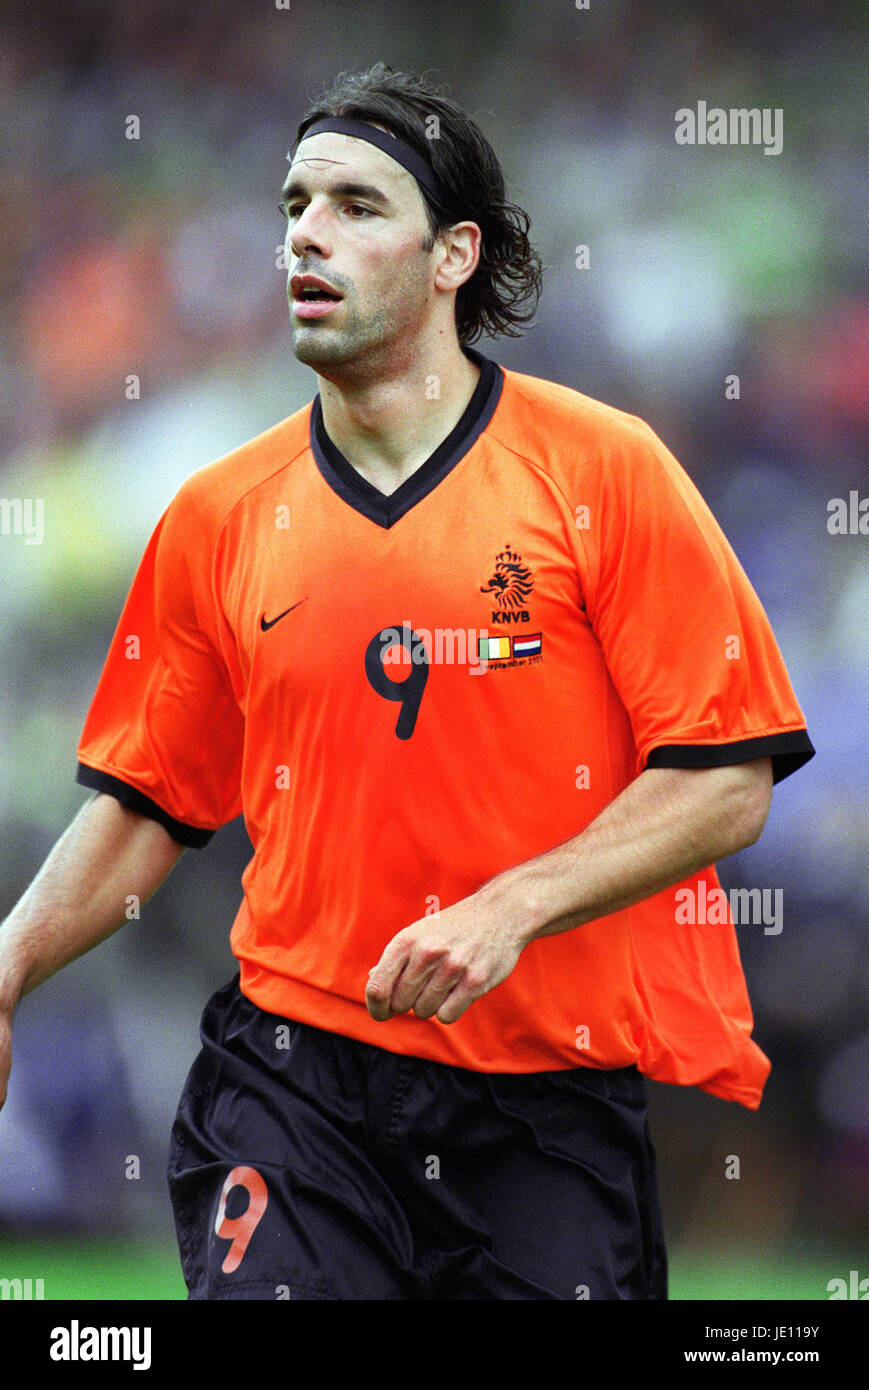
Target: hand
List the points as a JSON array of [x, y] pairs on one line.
[[442, 963], [5, 1054]]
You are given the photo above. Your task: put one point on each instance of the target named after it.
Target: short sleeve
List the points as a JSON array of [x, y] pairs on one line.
[[685, 638], [164, 732]]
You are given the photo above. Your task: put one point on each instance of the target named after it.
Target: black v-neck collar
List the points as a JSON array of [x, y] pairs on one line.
[[358, 493]]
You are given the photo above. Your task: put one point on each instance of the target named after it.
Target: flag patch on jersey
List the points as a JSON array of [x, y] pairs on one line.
[[493, 648], [528, 646], [502, 648]]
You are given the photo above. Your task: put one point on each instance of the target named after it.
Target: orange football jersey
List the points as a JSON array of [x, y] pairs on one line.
[[406, 695]]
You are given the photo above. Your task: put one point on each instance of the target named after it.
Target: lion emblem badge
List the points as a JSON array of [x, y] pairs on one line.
[[511, 582]]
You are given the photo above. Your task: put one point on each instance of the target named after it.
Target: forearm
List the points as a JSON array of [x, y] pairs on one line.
[[79, 897], [666, 825]]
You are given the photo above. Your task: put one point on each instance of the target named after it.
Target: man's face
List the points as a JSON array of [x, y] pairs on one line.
[[356, 222]]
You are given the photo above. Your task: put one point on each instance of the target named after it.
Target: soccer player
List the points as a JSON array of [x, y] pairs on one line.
[[474, 659]]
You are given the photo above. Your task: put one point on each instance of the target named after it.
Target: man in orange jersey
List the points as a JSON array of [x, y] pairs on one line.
[[473, 657]]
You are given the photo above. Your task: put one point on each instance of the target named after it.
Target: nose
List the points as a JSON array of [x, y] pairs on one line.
[[309, 232]]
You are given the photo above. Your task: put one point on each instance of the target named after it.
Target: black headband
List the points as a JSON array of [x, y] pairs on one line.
[[397, 149]]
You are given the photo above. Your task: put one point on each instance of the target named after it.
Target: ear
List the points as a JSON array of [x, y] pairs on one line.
[[458, 250]]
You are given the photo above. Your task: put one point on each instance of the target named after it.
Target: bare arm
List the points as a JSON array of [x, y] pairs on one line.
[[78, 898], [664, 826]]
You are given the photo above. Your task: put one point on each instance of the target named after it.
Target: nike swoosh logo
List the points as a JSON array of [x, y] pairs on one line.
[[271, 622]]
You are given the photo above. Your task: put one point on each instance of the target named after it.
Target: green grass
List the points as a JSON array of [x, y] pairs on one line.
[[95, 1269], [76, 1269], [733, 1274]]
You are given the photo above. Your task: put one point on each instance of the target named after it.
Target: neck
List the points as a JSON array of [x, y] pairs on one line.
[[386, 428]]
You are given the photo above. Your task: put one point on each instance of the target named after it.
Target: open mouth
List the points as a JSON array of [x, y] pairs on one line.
[[311, 295], [311, 298]]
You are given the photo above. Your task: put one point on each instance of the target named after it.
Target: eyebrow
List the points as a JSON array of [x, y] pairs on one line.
[[295, 188]]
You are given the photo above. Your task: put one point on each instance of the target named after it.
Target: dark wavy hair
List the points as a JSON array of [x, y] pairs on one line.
[[501, 295]]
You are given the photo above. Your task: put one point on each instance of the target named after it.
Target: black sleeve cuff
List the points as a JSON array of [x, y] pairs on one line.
[[188, 835], [788, 752]]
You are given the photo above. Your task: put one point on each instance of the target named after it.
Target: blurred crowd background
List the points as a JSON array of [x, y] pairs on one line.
[[155, 257]]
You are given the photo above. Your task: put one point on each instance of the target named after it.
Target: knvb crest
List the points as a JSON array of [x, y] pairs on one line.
[[511, 584]]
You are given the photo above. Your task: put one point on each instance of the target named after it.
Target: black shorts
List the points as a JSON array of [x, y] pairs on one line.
[[307, 1165]]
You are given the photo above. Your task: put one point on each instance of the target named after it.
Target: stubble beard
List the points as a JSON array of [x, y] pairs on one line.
[[362, 347], [350, 345]]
